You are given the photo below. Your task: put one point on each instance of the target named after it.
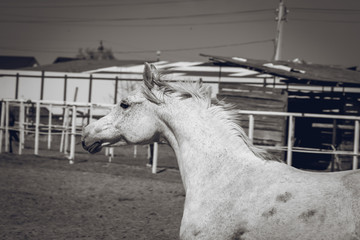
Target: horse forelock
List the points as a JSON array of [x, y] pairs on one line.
[[182, 90], [223, 111]]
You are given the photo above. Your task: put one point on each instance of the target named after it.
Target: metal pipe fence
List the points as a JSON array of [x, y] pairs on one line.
[[70, 128], [289, 148]]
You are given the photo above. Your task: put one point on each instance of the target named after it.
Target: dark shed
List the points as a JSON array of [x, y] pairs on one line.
[[17, 62], [298, 86]]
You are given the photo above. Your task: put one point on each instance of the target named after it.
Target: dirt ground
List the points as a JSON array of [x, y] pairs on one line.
[[44, 197]]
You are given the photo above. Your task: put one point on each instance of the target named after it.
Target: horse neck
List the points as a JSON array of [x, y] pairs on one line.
[[204, 145]]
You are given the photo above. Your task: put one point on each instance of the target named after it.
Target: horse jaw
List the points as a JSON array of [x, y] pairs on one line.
[[93, 143], [98, 145]]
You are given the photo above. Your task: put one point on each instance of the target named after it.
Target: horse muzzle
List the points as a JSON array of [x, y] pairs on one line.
[[93, 148]]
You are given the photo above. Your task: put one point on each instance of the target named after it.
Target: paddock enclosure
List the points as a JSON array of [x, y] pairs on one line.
[[285, 87], [112, 195], [274, 131]]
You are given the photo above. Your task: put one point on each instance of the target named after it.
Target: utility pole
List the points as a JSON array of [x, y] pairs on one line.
[[280, 19], [158, 53]]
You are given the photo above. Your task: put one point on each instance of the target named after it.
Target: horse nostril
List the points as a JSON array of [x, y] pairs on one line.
[[83, 144]]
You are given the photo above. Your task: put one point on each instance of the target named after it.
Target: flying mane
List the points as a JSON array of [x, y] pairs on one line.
[[223, 111]]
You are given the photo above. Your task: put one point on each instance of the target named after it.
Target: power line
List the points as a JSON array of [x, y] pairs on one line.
[[46, 18], [196, 48], [323, 20], [139, 51], [328, 10], [97, 5], [90, 20], [182, 24], [141, 25]]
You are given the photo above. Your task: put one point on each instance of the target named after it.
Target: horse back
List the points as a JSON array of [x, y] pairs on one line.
[[351, 181]]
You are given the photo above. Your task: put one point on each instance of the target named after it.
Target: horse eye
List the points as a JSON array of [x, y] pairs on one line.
[[124, 105]]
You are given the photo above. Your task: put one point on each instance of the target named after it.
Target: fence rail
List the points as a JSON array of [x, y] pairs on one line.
[[291, 128], [70, 128]]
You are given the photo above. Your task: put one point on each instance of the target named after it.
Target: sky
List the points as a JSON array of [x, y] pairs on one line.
[[320, 31]]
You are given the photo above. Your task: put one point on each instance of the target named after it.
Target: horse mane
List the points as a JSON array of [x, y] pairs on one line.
[[230, 117], [225, 112], [182, 89]]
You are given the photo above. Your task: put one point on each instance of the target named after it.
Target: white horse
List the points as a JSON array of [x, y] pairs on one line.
[[232, 192]]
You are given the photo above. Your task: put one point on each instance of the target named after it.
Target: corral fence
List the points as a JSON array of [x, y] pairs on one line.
[[50, 118], [73, 116], [291, 120]]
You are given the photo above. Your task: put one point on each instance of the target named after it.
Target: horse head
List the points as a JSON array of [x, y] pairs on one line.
[[132, 121]]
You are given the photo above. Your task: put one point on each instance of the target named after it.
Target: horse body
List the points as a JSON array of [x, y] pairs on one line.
[[294, 206], [231, 192]]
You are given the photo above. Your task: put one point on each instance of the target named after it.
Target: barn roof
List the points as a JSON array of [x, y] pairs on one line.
[[16, 62], [64, 59], [296, 72]]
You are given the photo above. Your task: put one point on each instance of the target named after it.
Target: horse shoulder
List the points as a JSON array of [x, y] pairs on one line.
[[351, 181], [314, 202]]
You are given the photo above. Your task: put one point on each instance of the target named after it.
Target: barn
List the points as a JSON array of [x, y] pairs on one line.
[[298, 87]]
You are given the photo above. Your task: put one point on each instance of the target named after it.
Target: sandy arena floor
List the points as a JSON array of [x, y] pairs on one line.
[[44, 197]]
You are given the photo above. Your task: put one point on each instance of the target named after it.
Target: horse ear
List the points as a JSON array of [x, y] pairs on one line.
[[151, 75]]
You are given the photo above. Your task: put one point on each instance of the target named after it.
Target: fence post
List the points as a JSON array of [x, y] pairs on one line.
[[89, 95], [65, 87], [2, 121], [90, 113], [251, 128], [116, 89], [7, 126], [66, 114], [24, 132], [66, 144], [290, 140], [42, 85], [17, 86], [50, 126], [135, 151], [27, 114], [356, 145], [73, 135], [111, 154], [155, 157], [37, 128], [148, 151], [333, 143], [21, 126]]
